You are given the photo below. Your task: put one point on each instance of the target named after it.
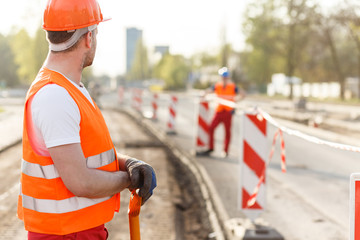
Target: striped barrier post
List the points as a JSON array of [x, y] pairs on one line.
[[137, 98], [355, 206], [202, 140], [121, 94], [155, 105], [253, 164], [172, 115]]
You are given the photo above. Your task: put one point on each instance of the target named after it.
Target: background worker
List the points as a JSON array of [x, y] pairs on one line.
[[227, 91], [71, 176]]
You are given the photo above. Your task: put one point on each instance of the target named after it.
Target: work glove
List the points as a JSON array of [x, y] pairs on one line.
[[142, 176]]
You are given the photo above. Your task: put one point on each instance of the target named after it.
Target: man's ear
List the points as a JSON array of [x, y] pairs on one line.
[[88, 39]]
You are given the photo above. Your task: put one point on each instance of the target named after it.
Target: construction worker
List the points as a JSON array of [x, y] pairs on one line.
[[226, 92], [71, 175]]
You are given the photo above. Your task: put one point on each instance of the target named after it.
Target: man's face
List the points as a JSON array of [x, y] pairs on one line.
[[90, 55]]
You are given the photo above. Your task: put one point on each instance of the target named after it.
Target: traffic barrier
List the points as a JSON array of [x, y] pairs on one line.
[[155, 106], [121, 94], [355, 206], [137, 98], [202, 140], [253, 196], [172, 115], [254, 141]]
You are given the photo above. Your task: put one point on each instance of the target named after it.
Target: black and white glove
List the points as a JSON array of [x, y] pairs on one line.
[[142, 176]]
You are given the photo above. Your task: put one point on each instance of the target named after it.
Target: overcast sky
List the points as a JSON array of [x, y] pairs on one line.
[[187, 26]]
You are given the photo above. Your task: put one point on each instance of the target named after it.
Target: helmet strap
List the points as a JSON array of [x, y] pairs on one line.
[[58, 47]]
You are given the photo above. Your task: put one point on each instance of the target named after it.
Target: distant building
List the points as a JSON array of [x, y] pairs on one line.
[[132, 37], [280, 85], [162, 50], [351, 87]]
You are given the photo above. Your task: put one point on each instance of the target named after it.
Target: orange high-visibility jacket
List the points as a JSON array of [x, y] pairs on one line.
[[45, 204], [228, 93]]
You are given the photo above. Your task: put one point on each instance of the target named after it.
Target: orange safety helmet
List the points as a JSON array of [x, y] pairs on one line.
[[67, 15]]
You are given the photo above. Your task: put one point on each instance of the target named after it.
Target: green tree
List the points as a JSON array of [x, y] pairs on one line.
[[174, 70], [300, 17], [349, 18], [140, 69], [8, 68], [21, 45], [203, 59], [264, 37], [225, 49], [40, 48], [330, 30]]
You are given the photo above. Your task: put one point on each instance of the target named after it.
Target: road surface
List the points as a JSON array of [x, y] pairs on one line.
[[310, 201]]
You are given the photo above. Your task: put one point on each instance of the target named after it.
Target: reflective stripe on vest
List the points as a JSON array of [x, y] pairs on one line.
[[50, 172], [60, 206]]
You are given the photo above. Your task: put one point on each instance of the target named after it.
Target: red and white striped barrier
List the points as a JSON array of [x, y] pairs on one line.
[[253, 163], [172, 114], [253, 196], [121, 94], [137, 98], [203, 125], [355, 206], [155, 105]]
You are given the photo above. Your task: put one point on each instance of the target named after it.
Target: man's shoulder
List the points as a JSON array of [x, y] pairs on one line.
[[51, 95], [52, 90]]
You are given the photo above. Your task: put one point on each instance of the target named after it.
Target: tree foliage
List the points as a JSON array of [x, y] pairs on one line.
[[29, 53], [264, 54], [140, 69], [22, 50], [174, 70], [22, 56], [8, 68], [39, 49], [297, 38]]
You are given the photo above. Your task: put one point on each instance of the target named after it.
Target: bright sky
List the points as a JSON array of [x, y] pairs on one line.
[[187, 26]]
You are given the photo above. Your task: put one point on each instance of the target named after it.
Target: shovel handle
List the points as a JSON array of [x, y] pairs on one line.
[[134, 211]]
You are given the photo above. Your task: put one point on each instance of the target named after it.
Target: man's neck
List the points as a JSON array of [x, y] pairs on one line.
[[67, 64], [226, 81]]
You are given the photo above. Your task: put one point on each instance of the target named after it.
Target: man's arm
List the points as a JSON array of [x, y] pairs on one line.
[[122, 160], [239, 94], [82, 181]]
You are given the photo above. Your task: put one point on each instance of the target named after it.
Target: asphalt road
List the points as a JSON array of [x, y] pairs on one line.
[[310, 201]]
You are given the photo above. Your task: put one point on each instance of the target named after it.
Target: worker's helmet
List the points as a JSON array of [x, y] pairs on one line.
[[224, 72], [71, 16]]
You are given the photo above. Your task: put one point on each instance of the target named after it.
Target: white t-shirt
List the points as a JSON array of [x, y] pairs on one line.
[[55, 118]]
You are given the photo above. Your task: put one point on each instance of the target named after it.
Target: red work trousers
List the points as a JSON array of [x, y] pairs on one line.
[[221, 117], [96, 233]]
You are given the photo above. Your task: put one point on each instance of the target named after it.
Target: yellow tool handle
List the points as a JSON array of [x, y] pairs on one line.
[[134, 211]]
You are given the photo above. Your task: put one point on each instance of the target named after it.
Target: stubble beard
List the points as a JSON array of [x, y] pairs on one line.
[[90, 55], [89, 58]]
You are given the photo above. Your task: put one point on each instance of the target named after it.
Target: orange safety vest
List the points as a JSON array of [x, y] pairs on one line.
[[45, 204], [228, 93]]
